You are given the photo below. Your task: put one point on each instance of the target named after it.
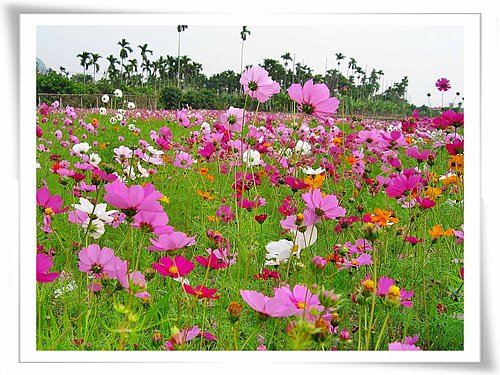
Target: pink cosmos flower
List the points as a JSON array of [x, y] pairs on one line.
[[43, 265], [362, 260], [326, 207], [407, 344], [386, 288], [258, 84], [314, 99], [233, 119], [183, 160], [152, 222], [443, 84], [273, 307], [298, 299], [96, 261], [225, 213], [177, 267], [171, 241], [133, 199], [50, 203]]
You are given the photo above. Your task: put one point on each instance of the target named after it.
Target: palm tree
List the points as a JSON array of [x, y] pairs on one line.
[[339, 56], [124, 51], [286, 57], [84, 57], [243, 34], [63, 71], [93, 61], [180, 29], [111, 68], [145, 61]]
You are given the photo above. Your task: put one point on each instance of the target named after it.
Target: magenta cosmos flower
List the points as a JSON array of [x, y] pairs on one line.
[[443, 84], [49, 203], [264, 305], [326, 207], [258, 84], [177, 267], [233, 119], [201, 291], [133, 199], [43, 265], [96, 261], [314, 99], [402, 185], [152, 222]]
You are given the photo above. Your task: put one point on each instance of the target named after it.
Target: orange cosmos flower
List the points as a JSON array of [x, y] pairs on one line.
[[438, 231], [433, 193], [94, 121], [205, 195], [383, 218], [210, 178], [212, 219], [457, 163], [203, 171], [314, 182], [337, 141]]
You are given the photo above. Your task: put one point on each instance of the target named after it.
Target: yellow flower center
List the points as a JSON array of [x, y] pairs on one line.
[[173, 269], [301, 305], [393, 292], [49, 211], [369, 286]]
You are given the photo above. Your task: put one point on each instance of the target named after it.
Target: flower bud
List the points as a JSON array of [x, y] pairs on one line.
[[319, 262], [344, 335], [157, 336], [328, 299], [234, 311]]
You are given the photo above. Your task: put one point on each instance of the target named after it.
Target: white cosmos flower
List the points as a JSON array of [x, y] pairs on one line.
[[310, 170], [37, 165], [94, 159], [122, 152], [278, 252], [102, 111], [251, 157], [119, 116], [305, 239], [96, 227], [81, 148], [154, 151], [118, 93], [302, 147], [99, 211], [105, 98], [130, 105], [131, 127], [68, 288], [144, 172], [122, 111], [112, 120], [129, 172]]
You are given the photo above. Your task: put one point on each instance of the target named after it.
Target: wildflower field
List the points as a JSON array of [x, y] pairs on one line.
[[246, 230]]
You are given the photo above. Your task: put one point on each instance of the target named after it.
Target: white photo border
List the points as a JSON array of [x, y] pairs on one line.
[[471, 23]]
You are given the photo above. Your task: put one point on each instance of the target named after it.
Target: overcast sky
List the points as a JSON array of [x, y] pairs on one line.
[[423, 53]]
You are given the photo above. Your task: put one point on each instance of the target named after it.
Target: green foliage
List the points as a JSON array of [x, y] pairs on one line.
[[170, 98]]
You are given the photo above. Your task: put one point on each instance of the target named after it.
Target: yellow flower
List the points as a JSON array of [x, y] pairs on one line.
[[165, 199]]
